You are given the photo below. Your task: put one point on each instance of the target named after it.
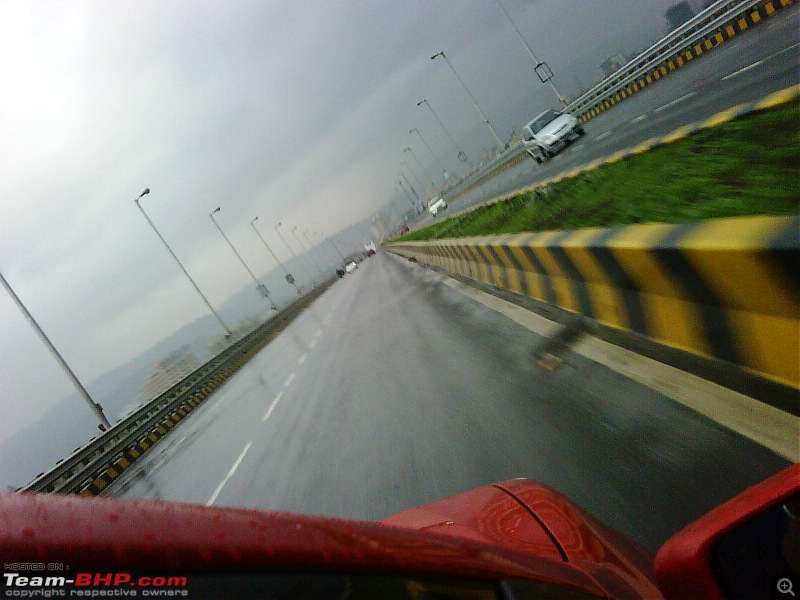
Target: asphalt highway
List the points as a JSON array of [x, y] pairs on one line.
[[746, 68], [393, 390]]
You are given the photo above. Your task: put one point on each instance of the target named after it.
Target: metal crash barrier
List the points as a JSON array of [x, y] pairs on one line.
[[727, 289]]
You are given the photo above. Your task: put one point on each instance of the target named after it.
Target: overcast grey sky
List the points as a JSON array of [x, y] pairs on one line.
[[295, 111]]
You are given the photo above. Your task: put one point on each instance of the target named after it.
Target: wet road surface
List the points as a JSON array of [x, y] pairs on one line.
[[394, 390]]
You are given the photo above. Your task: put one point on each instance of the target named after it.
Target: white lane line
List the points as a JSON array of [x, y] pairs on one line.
[[674, 102], [313, 343], [795, 45], [302, 359], [289, 380], [764, 424], [604, 135], [272, 406], [742, 70], [639, 118], [230, 473]]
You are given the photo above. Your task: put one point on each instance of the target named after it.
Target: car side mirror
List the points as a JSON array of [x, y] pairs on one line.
[[747, 548]]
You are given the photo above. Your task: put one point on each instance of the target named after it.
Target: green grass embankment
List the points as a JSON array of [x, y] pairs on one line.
[[744, 167]]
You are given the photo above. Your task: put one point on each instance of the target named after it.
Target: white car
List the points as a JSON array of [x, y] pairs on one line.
[[351, 266], [437, 204], [550, 132]]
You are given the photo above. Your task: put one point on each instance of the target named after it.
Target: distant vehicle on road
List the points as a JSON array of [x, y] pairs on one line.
[[550, 132], [351, 266], [437, 204], [370, 248]]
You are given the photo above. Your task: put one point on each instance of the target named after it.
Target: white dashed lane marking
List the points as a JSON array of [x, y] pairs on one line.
[[289, 380], [302, 359], [229, 475], [674, 102], [742, 70], [272, 406]]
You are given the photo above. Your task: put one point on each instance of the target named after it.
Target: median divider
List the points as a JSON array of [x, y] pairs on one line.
[[725, 289], [773, 100]]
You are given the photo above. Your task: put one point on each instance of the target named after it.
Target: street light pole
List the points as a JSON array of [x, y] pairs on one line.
[[408, 183], [462, 156], [194, 285], [541, 68], [418, 181], [466, 89], [300, 262], [95, 406], [303, 246], [260, 287], [314, 248], [335, 247], [424, 170], [286, 274], [410, 198], [436, 158]]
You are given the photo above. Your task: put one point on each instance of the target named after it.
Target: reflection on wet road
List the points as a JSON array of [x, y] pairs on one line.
[[394, 390]]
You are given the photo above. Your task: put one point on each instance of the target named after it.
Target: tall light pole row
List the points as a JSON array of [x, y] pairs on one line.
[[259, 286], [182, 268], [288, 276], [471, 97], [542, 70], [96, 408]]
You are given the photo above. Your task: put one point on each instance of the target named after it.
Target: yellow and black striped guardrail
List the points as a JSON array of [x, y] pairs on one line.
[[726, 289], [760, 12], [93, 468], [149, 438], [757, 14]]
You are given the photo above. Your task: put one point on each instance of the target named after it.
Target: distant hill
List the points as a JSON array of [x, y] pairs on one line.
[[70, 424]]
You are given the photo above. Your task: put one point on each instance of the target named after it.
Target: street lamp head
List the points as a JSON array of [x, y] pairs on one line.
[[216, 210], [254, 220], [437, 54], [144, 193], [421, 101]]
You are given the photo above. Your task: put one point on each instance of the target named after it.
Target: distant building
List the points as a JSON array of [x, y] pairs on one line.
[[169, 371], [678, 14], [610, 65]]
